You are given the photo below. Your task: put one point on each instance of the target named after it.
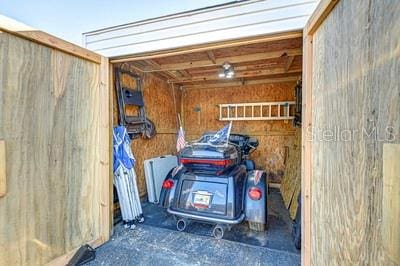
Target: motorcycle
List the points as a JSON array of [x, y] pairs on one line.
[[217, 184]]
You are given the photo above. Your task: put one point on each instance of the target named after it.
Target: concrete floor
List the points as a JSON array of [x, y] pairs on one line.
[[148, 245], [156, 242], [278, 235]]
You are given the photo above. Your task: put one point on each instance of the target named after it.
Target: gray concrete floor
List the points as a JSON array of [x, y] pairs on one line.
[[278, 235], [149, 245]]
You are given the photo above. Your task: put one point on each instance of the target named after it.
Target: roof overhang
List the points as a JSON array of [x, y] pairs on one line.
[[236, 20]]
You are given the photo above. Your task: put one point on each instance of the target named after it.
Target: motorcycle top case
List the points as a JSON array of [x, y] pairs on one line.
[[203, 156]]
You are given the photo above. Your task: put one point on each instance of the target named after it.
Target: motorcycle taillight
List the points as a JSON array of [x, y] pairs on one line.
[[168, 184], [215, 162], [255, 193]]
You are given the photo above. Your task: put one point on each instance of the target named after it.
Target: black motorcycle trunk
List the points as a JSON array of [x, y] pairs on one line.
[[203, 193], [212, 183], [204, 157]]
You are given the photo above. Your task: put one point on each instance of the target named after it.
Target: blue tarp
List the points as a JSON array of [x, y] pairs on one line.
[[122, 149]]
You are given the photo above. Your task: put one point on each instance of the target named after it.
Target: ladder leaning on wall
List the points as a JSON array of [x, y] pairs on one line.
[[257, 111]]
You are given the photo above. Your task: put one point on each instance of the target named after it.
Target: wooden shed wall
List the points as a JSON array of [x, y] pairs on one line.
[[273, 136], [162, 109], [291, 181], [55, 139], [356, 102]]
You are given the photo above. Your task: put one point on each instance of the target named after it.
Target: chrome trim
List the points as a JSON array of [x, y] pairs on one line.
[[207, 219]]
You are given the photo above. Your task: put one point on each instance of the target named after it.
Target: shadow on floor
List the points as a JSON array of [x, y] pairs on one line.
[[278, 234]]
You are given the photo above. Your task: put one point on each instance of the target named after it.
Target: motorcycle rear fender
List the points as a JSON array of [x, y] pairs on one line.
[[256, 210]]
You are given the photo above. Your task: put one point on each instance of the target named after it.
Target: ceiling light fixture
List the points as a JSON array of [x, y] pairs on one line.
[[227, 71]]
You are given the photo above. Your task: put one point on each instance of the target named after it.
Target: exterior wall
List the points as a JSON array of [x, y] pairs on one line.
[[273, 136], [356, 102], [225, 22]]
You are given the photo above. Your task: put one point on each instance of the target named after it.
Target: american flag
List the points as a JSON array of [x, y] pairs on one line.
[[180, 141]]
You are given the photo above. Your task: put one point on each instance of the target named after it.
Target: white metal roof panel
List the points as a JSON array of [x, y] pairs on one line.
[[225, 22]]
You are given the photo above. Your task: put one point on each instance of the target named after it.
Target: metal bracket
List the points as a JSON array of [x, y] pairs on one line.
[[84, 254]]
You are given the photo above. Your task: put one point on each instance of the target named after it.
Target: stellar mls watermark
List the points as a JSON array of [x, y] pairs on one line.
[[338, 134]]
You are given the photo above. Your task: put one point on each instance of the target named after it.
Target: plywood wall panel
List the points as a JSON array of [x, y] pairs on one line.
[[49, 118], [291, 181], [355, 89], [161, 108], [3, 170], [201, 114]]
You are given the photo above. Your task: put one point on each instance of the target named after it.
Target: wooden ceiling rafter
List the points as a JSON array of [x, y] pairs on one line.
[[254, 61], [288, 63], [152, 63], [185, 74], [242, 83], [249, 67], [211, 56], [212, 46], [231, 59], [241, 74]]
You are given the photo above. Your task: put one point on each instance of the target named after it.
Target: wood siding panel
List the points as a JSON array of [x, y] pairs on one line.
[[49, 118], [356, 102]]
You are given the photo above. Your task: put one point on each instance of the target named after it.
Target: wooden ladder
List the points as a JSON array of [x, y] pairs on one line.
[[256, 111]]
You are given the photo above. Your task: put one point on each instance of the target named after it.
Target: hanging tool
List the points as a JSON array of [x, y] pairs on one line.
[[138, 125]]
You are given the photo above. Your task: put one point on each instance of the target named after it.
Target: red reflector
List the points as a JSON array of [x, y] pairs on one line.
[[223, 162], [200, 206], [168, 184], [255, 193]]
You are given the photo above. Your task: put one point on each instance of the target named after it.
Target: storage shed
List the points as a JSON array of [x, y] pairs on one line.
[[58, 109]]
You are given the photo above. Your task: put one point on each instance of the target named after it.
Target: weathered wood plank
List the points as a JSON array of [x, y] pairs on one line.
[[291, 180], [391, 201], [50, 119], [104, 147], [29, 33], [355, 92], [3, 172], [306, 157]]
